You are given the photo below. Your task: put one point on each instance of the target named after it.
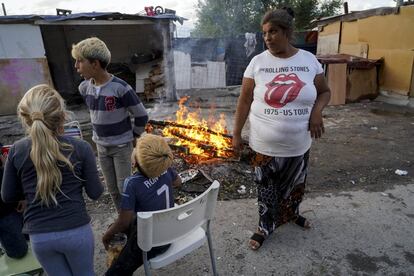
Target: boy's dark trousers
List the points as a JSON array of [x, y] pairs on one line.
[[130, 257]]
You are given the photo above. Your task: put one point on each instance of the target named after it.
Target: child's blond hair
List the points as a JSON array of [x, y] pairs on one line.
[[42, 111], [92, 49], [153, 155]]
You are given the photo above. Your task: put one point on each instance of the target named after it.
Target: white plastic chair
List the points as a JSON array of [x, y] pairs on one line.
[[186, 227], [73, 129]]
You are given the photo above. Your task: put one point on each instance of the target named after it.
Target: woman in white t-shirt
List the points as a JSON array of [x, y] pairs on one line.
[[284, 91]]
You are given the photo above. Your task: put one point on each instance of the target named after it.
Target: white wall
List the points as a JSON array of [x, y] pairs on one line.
[[21, 41], [182, 69], [199, 75], [210, 74], [216, 74]]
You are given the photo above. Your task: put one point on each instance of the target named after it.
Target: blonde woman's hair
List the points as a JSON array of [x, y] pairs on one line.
[[42, 111], [153, 155], [92, 49]]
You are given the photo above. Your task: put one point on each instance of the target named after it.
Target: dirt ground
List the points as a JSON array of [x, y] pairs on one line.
[[364, 144]]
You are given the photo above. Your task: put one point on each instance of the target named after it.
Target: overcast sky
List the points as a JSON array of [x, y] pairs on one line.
[[184, 8]]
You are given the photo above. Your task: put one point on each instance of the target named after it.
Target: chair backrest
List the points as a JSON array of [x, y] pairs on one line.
[[5, 150], [166, 226], [73, 129]]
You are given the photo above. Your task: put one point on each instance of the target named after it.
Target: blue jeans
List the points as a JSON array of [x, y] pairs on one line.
[[11, 237], [65, 253], [115, 162]]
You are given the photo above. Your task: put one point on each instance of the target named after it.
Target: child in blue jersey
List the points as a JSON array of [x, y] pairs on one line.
[[149, 189], [112, 104]]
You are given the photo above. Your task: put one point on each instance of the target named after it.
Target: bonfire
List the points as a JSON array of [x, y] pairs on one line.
[[195, 138]]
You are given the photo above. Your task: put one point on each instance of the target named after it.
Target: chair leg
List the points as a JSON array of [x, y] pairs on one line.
[[146, 264], [210, 248]]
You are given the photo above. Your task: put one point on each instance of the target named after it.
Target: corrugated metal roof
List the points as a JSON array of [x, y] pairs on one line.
[[87, 16]]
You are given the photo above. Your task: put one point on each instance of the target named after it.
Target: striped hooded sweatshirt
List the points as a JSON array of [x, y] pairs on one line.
[[110, 106]]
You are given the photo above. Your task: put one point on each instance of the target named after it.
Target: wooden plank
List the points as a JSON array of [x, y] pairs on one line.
[[358, 49], [362, 84], [412, 82], [328, 44], [337, 82]]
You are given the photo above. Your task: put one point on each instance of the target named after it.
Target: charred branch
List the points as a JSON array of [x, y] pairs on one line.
[[197, 142], [180, 149], [174, 124], [200, 144]]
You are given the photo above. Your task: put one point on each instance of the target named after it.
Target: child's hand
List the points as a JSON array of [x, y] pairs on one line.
[[21, 206], [133, 162], [177, 183], [106, 238], [2, 160]]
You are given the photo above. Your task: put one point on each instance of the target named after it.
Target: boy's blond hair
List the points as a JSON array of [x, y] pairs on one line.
[[92, 49], [153, 155]]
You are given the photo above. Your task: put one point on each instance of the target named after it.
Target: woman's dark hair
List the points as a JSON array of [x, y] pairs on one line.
[[289, 11], [281, 17]]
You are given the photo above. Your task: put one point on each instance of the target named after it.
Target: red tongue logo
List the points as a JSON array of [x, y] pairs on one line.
[[282, 90]]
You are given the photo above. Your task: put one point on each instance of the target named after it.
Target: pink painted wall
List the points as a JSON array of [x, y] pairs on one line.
[[16, 77]]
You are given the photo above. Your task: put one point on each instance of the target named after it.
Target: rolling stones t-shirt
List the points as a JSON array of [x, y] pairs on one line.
[[284, 95]]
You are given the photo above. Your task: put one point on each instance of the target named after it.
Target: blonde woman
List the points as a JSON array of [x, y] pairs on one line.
[[50, 172], [149, 189]]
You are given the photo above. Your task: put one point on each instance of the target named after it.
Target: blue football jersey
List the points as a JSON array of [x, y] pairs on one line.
[[148, 194]]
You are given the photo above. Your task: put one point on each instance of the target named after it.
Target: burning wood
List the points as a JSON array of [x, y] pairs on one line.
[[181, 149], [194, 127], [203, 140], [210, 151], [201, 144]]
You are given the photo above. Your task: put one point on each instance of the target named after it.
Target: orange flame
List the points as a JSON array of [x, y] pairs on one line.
[[203, 139]]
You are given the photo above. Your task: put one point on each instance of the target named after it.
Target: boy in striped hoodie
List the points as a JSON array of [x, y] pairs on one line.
[[111, 102]]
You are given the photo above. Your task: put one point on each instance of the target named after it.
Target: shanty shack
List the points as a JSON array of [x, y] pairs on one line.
[[36, 49], [381, 33]]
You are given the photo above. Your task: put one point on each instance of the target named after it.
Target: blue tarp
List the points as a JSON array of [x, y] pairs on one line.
[[87, 16]]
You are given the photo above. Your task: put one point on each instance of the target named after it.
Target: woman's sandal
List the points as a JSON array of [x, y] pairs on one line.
[[302, 222], [258, 239]]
